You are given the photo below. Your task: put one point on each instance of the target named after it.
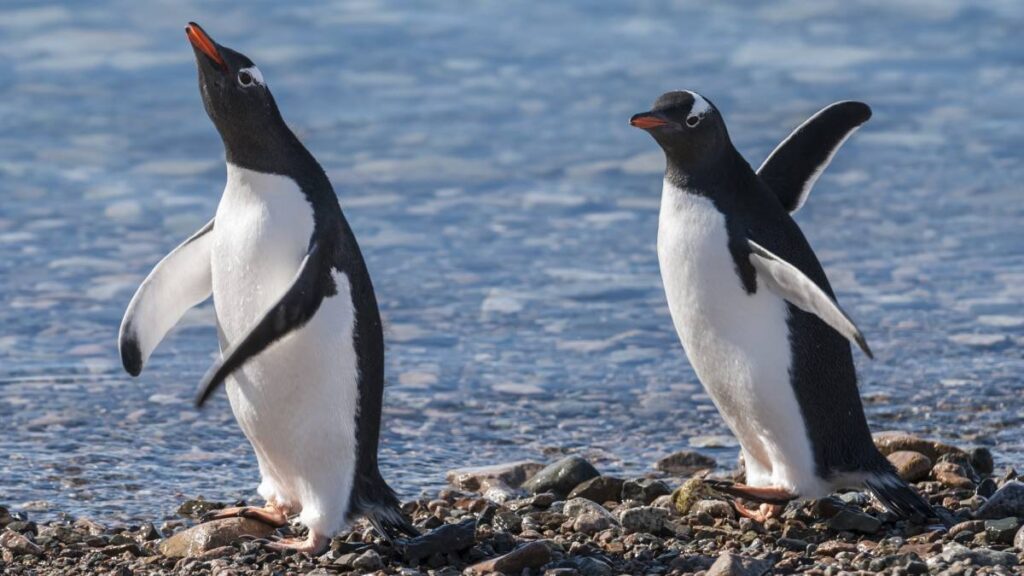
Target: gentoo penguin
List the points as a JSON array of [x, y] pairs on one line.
[[302, 351], [755, 313]]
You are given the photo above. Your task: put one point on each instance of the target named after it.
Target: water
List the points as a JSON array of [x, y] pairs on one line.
[[508, 215]]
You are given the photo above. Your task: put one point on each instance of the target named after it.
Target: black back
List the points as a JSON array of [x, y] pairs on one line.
[[256, 137]]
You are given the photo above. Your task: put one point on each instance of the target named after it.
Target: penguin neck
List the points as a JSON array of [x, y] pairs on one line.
[[726, 175]]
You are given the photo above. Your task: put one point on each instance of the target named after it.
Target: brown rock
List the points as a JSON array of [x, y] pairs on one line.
[[19, 544], [889, 442], [952, 475], [532, 555], [833, 547], [911, 466], [200, 539]]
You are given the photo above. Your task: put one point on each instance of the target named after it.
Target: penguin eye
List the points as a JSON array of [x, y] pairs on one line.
[[245, 78], [692, 121]]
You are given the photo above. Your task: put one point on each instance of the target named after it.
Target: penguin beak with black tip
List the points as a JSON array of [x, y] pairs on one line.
[[648, 121], [205, 45]]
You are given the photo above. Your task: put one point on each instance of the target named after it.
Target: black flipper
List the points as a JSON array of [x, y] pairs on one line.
[[312, 284], [793, 167], [899, 497]]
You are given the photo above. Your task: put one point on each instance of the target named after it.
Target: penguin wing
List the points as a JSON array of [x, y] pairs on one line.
[[299, 303], [794, 166], [789, 283], [178, 282]]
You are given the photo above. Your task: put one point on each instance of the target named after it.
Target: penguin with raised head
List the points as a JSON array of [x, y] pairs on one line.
[[755, 312], [302, 351]]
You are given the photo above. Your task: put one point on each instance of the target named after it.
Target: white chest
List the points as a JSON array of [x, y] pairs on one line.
[[737, 343], [261, 234]]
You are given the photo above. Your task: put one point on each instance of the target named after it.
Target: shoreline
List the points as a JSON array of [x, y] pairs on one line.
[[566, 519]]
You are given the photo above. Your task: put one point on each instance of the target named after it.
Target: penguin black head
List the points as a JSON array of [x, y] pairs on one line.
[[688, 128], [234, 93]]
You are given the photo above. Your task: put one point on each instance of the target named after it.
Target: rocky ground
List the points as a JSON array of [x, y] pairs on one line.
[[567, 519]]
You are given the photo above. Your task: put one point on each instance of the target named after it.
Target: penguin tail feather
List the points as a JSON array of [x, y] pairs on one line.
[[389, 522], [899, 497]]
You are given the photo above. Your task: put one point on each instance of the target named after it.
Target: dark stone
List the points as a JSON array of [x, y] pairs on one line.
[[588, 566], [562, 476], [685, 462], [196, 508], [529, 556], [447, 538], [1001, 531], [849, 520], [368, 561], [601, 489], [644, 489], [982, 461]]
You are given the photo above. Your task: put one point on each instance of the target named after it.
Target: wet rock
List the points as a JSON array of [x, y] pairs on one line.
[[849, 520], [19, 544], [562, 476], [982, 461], [952, 475], [601, 489], [646, 519], [498, 483], [1007, 501], [644, 490], [729, 564], [205, 537], [889, 442], [1001, 531], [196, 508], [447, 538], [578, 506], [911, 466], [89, 526], [687, 495], [529, 556], [368, 561], [685, 463], [713, 508]]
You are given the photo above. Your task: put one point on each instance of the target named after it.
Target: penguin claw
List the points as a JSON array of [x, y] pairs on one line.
[[313, 544], [268, 515]]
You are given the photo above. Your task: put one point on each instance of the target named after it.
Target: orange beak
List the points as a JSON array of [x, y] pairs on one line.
[[202, 42], [646, 121]]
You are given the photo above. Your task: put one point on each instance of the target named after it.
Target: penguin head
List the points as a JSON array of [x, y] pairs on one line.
[[234, 93], [687, 126]]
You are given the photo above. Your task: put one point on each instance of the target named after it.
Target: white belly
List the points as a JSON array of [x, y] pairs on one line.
[[736, 342], [295, 401]]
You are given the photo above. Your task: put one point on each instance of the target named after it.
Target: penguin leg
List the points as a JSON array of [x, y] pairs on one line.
[[314, 544], [269, 514], [763, 494], [762, 514]]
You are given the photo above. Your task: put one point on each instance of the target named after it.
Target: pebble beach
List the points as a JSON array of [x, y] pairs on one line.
[[565, 518]]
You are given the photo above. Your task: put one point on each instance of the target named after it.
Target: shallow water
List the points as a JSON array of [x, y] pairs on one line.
[[508, 216]]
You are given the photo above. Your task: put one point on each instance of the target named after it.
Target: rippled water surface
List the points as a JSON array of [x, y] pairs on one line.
[[508, 215]]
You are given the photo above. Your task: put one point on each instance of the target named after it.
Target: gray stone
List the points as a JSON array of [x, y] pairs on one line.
[[601, 489], [713, 508], [204, 537], [685, 462], [852, 521], [476, 479], [368, 561], [1018, 540], [578, 506], [562, 476], [590, 523], [1007, 501], [646, 519], [644, 490], [734, 565], [953, 552]]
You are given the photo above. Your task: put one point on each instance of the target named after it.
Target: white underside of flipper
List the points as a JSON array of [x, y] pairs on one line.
[[296, 401], [737, 343]]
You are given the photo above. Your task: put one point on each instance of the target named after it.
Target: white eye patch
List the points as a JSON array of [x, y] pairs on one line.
[[254, 72], [698, 110]]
